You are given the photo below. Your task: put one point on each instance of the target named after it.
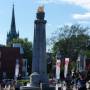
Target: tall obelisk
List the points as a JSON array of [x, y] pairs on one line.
[[39, 63]]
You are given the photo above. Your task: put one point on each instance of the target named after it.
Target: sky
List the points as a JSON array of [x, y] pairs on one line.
[[57, 13]]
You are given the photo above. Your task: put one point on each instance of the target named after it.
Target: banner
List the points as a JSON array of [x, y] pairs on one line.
[[58, 63], [17, 69], [66, 67]]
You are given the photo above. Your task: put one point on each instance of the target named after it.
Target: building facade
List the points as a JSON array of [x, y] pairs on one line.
[[8, 58]]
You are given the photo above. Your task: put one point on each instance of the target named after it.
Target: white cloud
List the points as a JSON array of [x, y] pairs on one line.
[[82, 17], [49, 24], [61, 25], [49, 1], [83, 22], [82, 3]]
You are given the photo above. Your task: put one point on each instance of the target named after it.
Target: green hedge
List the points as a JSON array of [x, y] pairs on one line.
[[23, 81]]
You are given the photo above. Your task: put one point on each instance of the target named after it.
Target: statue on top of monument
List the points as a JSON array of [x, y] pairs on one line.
[[40, 9], [40, 13]]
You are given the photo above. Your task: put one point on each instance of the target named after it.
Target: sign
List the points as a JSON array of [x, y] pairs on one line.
[[58, 63], [66, 67], [17, 69]]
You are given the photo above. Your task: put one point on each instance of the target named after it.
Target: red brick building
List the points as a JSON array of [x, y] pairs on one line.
[[8, 57]]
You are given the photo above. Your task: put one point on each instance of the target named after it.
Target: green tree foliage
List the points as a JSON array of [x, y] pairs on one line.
[[27, 47], [70, 40]]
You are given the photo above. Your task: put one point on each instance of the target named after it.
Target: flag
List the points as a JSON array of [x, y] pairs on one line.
[[66, 67], [17, 68], [58, 63]]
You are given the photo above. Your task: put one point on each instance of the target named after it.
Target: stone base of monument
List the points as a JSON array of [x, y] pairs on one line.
[[38, 88], [29, 88], [42, 87], [36, 85], [35, 79]]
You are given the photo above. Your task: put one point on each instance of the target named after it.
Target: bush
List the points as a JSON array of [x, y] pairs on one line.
[[23, 82]]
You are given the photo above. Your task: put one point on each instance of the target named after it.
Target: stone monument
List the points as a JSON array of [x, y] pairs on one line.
[[39, 63]]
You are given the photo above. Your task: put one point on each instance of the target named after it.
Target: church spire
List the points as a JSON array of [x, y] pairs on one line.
[[13, 24], [12, 34]]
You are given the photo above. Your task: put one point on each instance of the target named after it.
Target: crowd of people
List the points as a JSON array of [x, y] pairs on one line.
[[9, 85], [78, 79]]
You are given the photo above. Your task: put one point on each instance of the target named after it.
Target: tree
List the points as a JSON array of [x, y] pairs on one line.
[[27, 47], [70, 40]]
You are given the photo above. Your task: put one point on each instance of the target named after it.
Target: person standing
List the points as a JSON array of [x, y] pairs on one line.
[[81, 82]]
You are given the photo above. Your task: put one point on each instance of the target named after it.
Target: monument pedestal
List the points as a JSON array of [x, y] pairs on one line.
[[29, 88], [35, 79], [44, 87]]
